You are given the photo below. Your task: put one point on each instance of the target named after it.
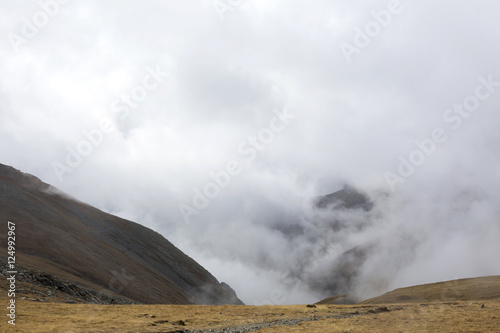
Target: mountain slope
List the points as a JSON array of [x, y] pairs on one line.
[[71, 240], [473, 289]]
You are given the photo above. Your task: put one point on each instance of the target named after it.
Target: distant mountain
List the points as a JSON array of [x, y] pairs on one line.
[[338, 278], [70, 247], [340, 299], [347, 198]]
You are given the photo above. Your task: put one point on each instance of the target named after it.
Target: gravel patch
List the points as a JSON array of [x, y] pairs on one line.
[[258, 326]]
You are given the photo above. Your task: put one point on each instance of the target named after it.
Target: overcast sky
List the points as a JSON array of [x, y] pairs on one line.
[[135, 108]]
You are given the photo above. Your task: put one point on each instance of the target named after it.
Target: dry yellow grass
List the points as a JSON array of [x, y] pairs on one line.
[[469, 305], [433, 317]]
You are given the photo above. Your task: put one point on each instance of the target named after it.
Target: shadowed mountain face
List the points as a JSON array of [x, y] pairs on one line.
[[71, 241], [338, 278], [348, 198], [322, 259]]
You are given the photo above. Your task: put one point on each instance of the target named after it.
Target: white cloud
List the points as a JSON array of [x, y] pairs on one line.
[[225, 78]]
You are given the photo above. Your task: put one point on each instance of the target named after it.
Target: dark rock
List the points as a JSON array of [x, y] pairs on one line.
[[347, 198], [379, 310]]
